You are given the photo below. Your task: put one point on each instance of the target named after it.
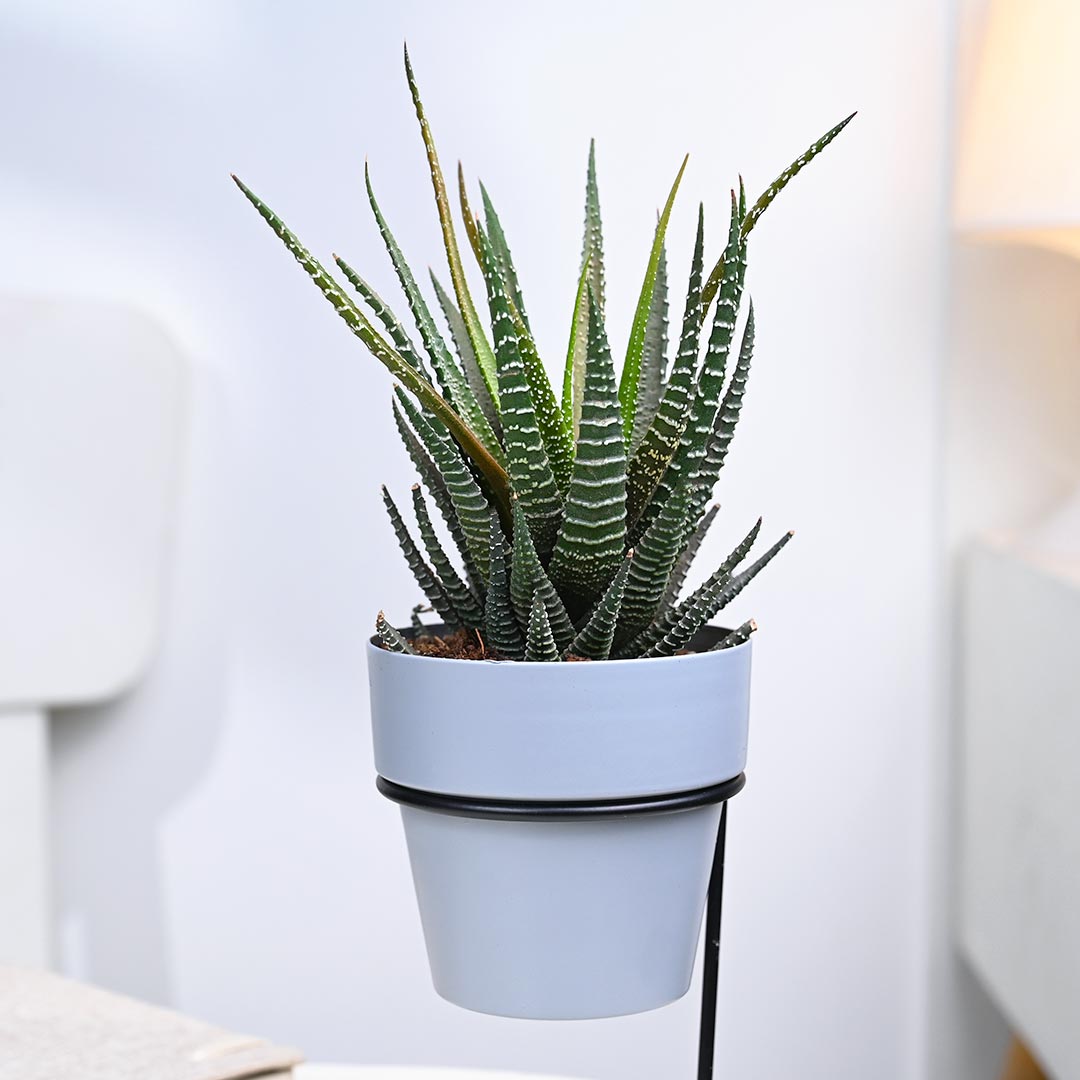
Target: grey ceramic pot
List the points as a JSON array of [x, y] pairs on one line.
[[573, 919]]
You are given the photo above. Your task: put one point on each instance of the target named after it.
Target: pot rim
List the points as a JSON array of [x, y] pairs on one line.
[[693, 656]]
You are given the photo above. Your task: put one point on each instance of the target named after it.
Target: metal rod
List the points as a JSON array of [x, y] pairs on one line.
[[711, 975]]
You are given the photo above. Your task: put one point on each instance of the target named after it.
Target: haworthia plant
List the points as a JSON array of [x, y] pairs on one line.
[[573, 519]]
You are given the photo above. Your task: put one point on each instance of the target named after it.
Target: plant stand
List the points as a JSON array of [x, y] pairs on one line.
[[597, 809]]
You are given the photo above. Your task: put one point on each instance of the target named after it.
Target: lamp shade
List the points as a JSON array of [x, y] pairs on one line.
[[1018, 173]]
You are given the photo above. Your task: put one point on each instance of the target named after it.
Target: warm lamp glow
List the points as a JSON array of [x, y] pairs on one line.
[[1018, 174]]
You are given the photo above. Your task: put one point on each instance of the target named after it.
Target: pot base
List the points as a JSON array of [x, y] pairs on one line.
[[561, 921]]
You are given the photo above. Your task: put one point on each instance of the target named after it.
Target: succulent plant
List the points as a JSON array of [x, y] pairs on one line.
[[574, 517]]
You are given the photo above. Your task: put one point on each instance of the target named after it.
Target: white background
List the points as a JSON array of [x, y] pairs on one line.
[[219, 845]]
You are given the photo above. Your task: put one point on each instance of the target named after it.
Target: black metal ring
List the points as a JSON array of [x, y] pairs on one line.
[[571, 810]]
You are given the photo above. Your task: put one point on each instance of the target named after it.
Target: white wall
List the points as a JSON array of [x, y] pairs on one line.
[[219, 842]]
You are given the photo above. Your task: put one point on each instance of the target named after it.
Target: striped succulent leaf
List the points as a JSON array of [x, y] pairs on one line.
[[503, 257], [539, 642], [470, 505], [693, 442], [669, 616], [707, 601], [383, 312], [503, 631], [555, 432], [654, 558], [432, 479], [591, 276], [558, 439], [653, 356], [463, 346], [389, 638], [573, 389], [451, 378], [736, 637], [716, 275], [782, 181], [686, 559], [391, 359], [630, 383], [528, 579], [712, 282], [592, 248], [424, 574], [419, 630], [590, 544], [480, 345], [594, 639], [531, 472], [472, 230], [466, 603], [654, 452], [727, 415]]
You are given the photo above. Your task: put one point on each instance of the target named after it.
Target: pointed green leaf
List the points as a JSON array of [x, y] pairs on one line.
[[410, 378], [465, 602], [531, 472], [573, 390], [557, 440], [464, 349], [654, 452], [432, 479], [483, 350], [686, 559], [454, 383], [736, 637], [503, 257], [469, 503], [540, 644], [389, 638], [470, 219], [653, 560], [707, 601], [592, 248], [383, 312], [727, 415], [528, 579], [669, 617], [425, 576], [653, 356], [629, 383], [782, 181], [688, 456], [419, 630], [749, 220], [591, 541], [593, 641], [503, 632]]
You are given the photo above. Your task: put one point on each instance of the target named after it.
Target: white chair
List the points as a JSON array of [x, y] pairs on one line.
[[91, 426]]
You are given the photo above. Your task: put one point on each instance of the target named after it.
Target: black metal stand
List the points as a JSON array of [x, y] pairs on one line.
[[593, 809]]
